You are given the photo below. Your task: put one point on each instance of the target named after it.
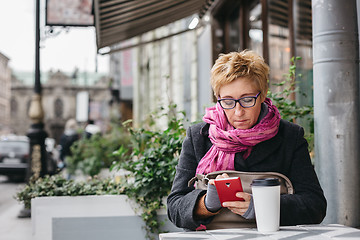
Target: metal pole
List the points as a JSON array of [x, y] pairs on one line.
[[37, 85], [336, 104], [38, 157], [265, 29]]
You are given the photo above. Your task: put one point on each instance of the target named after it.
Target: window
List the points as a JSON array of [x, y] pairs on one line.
[[279, 42], [255, 30], [13, 107], [58, 108]]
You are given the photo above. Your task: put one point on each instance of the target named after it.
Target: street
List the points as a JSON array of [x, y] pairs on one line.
[[11, 227]]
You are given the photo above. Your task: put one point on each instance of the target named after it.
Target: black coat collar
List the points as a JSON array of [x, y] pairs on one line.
[[259, 152], [264, 149]]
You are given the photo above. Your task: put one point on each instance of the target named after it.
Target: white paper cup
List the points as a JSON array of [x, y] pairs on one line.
[[266, 197]]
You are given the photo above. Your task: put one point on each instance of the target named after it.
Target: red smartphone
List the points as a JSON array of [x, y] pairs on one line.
[[227, 189]]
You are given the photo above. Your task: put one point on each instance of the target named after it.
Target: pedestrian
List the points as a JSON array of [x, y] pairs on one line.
[[67, 139], [91, 129], [243, 132]]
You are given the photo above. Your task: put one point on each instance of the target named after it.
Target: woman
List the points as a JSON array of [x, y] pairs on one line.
[[243, 132]]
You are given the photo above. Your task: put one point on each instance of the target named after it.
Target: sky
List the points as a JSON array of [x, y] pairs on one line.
[[72, 48]]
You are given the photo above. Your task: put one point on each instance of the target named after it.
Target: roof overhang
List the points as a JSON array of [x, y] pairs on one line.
[[119, 20]]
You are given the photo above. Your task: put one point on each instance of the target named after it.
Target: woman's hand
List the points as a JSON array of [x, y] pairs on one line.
[[237, 207]]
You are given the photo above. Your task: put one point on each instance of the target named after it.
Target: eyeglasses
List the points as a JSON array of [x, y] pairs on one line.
[[245, 102]]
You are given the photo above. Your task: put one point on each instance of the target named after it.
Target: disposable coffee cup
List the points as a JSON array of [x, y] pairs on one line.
[[266, 197]]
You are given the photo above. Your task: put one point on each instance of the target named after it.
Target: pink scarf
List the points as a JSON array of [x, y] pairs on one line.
[[227, 141]]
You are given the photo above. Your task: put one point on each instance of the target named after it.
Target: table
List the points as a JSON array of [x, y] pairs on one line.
[[300, 232]]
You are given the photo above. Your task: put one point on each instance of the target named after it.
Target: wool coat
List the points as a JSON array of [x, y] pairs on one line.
[[286, 153]]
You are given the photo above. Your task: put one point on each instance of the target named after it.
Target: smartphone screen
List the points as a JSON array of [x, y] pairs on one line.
[[227, 189]]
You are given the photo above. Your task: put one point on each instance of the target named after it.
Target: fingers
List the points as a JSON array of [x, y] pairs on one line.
[[212, 181], [239, 207], [236, 204], [239, 211], [224, 175], [244, 195]]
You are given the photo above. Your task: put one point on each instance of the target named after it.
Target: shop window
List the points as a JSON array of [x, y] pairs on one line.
[[234, 32], [279, 42], [303, 23]]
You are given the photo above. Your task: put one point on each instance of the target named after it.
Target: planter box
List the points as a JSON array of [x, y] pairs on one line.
[[88, 217]]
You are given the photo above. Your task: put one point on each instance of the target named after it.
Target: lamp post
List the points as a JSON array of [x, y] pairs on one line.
[[37, 166], [37, 135]]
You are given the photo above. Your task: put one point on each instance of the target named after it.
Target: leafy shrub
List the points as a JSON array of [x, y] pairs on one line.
[[288, 108], [93, 154], [151, 164], [57, 185]]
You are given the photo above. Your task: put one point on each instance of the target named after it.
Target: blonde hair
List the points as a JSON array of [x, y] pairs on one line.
[[71, 124], [233, 65]]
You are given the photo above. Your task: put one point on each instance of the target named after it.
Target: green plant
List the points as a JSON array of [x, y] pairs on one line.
[[93, 154], [289, 110], [151, 164], [57, 185]]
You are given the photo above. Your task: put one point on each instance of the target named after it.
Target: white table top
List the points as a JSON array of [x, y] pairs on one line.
[[300, 232]]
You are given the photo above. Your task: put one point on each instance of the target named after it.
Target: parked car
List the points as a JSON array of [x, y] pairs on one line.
[[14, 156]]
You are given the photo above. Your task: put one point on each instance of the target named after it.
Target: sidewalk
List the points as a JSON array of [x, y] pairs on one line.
[[13, 228]]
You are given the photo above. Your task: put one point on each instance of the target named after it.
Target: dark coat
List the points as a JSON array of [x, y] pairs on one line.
[[66, 141], [286, 153]]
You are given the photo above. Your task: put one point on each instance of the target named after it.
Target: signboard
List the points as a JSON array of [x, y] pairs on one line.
[[69, 13]]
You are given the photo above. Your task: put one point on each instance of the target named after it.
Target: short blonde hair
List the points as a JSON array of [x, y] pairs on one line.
[[233, 65], [71, 124]]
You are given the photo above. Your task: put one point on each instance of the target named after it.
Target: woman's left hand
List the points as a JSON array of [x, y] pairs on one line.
[[239, 207]]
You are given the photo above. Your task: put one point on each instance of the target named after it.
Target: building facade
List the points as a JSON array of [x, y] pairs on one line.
[[160, 73], [5, 81], [59, 99]]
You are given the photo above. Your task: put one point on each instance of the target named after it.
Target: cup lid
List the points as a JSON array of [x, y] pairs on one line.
[[265, 182]]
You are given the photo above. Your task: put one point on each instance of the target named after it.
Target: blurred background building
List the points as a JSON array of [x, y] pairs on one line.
[[5, 81], [59, 96]]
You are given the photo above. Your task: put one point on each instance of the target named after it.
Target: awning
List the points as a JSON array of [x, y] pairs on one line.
[[118, 20]]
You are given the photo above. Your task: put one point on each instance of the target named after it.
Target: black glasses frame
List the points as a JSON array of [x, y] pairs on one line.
[[239, 101]]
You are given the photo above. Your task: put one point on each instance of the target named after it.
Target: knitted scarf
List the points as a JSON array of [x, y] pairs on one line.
[[227, 141]]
